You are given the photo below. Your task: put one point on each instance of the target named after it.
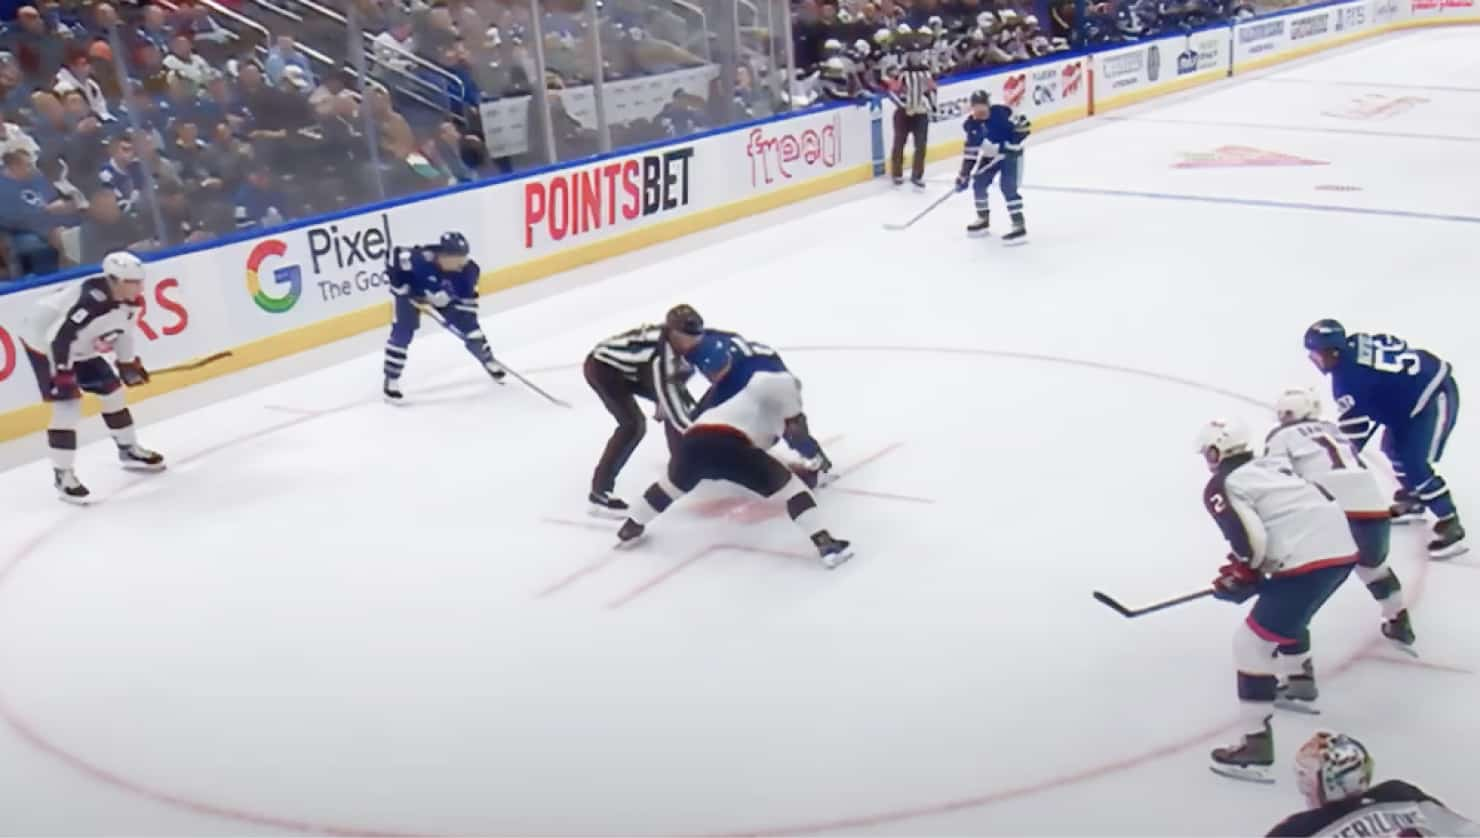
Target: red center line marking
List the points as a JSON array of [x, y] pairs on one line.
[[1418, 663], [693, 560]]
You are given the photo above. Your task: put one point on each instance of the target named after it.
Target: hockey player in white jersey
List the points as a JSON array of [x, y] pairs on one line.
[[67, 338], [1334, 772], [1320, 453], [753, 403], [1292, 549]]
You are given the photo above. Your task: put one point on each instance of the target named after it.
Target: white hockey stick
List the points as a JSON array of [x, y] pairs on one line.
[[442, 321], [981, 166]]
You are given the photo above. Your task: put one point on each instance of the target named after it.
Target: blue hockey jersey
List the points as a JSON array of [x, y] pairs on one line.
[[1001, 133], [414, 271], [1381, 380], [746, 359]]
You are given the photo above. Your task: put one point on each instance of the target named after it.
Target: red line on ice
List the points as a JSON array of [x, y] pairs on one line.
[[37, 740]]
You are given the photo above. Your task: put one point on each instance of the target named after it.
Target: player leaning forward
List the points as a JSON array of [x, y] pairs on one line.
[[1291, 548], [753, 403], [67, 337]]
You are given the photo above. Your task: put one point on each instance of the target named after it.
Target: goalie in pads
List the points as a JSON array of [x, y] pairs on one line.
[[1290, 548]]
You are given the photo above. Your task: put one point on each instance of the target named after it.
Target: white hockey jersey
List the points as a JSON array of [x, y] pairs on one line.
[[1318, 452], [1276, 521], [756, 398], [79, 322]]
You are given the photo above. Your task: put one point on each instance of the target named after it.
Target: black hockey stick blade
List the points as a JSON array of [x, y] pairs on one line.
[[1115, 606], [193, 365]]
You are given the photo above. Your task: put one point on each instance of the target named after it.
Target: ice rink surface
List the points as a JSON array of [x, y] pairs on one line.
[[332, 615]]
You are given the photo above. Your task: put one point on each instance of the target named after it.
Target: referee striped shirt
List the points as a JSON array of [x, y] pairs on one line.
[[644, 356], [915, 92]]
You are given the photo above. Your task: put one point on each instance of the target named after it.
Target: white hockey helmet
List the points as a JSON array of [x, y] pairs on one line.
[[986, 20], [1031, 21], [120, 264], [861, 49], [1332, 767], [1222, 438], [1297, 404], [832, 46], [904, 30], [883, 37]]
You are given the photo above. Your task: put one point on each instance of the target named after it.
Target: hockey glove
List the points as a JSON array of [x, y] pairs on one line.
[[64, 386], [439, 299], [1236, 581], [962, 181], [133, 372]]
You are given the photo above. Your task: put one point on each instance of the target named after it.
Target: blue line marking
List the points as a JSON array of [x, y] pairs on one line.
[[1261, 203], [1452, 138]]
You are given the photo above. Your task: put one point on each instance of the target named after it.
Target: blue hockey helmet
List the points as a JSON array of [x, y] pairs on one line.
[[453, 244], [710, 355], [980, 97], [1325, 334]]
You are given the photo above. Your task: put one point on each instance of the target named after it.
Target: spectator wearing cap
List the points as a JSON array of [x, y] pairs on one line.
[[106, 227], [258, 202], [76, 75], [121, 172], [12, 138], [39, 50], [184, 63], [284, 54], [31, 213]]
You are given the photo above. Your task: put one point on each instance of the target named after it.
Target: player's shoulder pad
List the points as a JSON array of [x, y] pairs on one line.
[[1299, 824], [95, 291], [472, 271], [1273, 432], [1398, 791]]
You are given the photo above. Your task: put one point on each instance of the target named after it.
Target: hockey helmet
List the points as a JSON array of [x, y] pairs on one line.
[[904, 30], [711, 355], [980, 97], [832, 46], [1031, 21], [124, 266], [1332, 767], [1296, 405], [1222, 438], [883, 37], [453, 244], [937, 24], [683, 319], [986, 20], [1325, 334]]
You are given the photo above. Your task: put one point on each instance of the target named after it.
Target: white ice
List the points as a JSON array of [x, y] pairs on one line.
[[332, 614]]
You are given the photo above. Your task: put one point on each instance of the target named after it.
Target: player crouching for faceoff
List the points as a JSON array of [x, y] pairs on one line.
[[1334, 772], [752, 404], [1318, 452], [443, 281], [66, 337], [1292, 549]]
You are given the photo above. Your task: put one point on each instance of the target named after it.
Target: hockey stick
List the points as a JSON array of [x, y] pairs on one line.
[[192, 365], [442, 321], [976, 170], [1138, 612]]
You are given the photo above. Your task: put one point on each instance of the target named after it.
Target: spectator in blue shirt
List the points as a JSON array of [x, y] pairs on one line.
[[258, 201], [284, 54], [31, 214], [120, 173]]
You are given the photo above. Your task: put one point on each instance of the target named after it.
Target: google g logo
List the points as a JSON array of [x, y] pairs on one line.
[[289, 275]]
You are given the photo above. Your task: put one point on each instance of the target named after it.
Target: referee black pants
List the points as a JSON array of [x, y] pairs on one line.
[[620, 396], [906, 126]]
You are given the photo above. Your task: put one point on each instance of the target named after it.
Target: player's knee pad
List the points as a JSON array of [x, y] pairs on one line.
[[1253, 654], [66, 415], [1381, 582]]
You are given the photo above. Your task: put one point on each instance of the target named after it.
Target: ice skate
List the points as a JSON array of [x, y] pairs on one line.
[[69, 488], [603, 505], [495, 370], [1250, 761], [1298, 693], [1406, 508], [832, 551], [1018, 235], [1449, 539], [392, 392], [1399, 631], [138, 458], [630, 534], [981, 226]]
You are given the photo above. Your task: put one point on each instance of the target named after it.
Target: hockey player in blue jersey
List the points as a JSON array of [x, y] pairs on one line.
[[753, 402], [1380, 381], [441, 278], [994, 144]]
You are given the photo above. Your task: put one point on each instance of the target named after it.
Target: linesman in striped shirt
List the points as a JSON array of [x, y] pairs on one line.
[[913, 93], [646, 362]]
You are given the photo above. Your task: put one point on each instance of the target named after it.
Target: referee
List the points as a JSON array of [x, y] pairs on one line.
[[646, 362], [913, 94]]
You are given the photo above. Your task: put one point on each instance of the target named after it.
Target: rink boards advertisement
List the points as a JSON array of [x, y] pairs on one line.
[[273, 295], [265, 297], [1127, 75]]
